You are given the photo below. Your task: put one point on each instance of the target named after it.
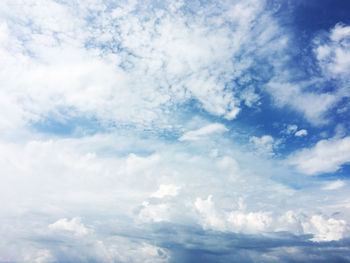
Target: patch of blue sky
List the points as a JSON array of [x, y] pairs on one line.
[[306, 21], [311, 17], [342, 174], [69, 126]]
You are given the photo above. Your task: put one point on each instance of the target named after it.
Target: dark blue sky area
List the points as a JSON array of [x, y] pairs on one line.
[[313, 15]]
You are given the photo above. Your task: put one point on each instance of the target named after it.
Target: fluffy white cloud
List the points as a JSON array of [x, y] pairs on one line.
[[325, 229], [201, 132], [166, 190], [251, 222], [321, 227], [333, 54], [263, 222], [292, 129], [301, 133], [208, 213], [326, 156], [74, 226]]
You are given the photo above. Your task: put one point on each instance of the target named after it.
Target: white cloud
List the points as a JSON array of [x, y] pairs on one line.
[[130, 65], [263, 222], [334, 55], [228, 163], [121, 249], [166, 190], [79, 177], [325, 229], [133, 66], [154, 213], [292, 128], [312, 105], [44, 256], [264, 145], [334, 185], [74, 226], [238, 221], [38, 256], [165, 59], [136, 164], [204, 131], [322, 228], [301, 133], [209, 216], [252, 222], [326, 156]]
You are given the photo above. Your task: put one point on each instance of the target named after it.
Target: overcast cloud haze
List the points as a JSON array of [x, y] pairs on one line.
[[174, 131]]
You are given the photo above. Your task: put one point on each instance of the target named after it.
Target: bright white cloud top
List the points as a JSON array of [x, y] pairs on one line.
[[174, 131]]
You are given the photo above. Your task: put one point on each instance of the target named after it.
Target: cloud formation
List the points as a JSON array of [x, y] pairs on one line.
[[206, 130], [172, 131], [325, 157]]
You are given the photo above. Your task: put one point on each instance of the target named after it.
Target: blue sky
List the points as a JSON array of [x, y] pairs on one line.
[[174, 131]]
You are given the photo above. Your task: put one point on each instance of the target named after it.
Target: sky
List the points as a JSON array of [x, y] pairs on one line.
[[174, 131]]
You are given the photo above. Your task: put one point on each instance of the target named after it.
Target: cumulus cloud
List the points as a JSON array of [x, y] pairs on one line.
[[208, 213], [201, 132], [301, 133], [325, 229], [249, 222], [264, 222], [326, 156], [134, 189]]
